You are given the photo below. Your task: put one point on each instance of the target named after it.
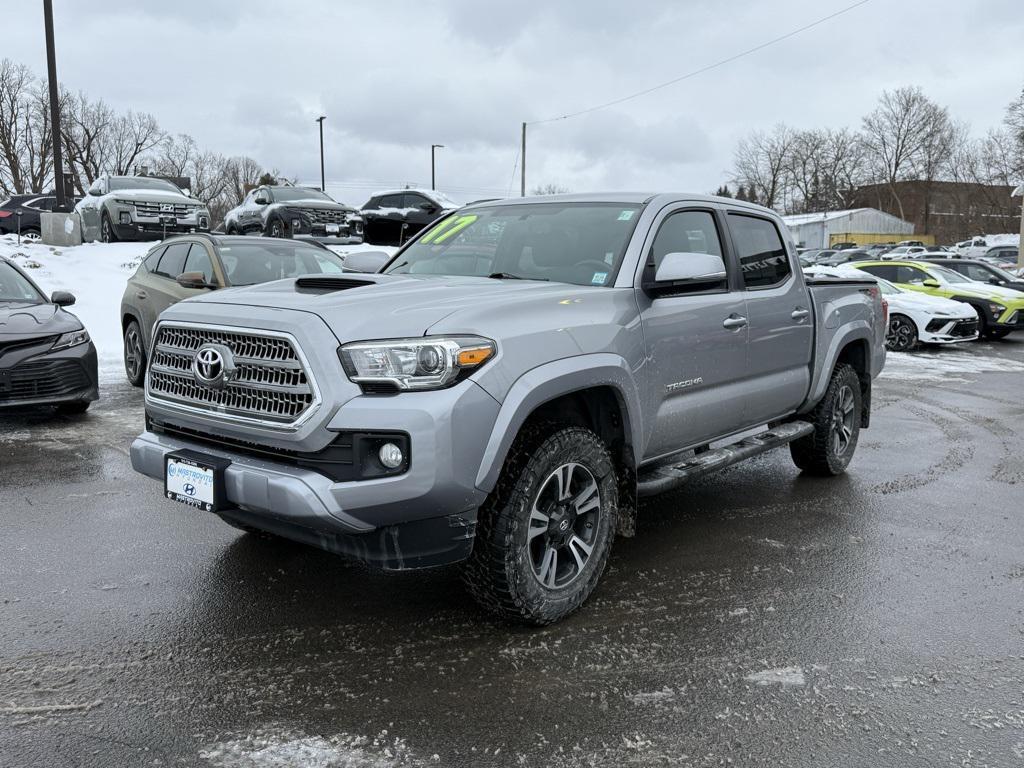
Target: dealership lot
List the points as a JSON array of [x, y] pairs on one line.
[[757, 616]]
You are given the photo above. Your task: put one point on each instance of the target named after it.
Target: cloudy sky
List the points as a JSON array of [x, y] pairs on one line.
[[393, 78]]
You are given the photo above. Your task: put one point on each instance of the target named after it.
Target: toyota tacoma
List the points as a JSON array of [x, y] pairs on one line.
[[502, 389]]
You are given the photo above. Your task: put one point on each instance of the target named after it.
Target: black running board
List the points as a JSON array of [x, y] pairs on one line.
[[665, 477]]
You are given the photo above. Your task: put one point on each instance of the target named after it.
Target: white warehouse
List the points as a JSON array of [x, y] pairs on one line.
[[858, 225]]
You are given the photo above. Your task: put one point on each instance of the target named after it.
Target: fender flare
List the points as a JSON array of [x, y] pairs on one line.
[[861, 331], [547, 382]]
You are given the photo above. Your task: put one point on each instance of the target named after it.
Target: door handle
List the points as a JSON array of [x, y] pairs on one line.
[[141, 294], [734, 321], [799, 313]]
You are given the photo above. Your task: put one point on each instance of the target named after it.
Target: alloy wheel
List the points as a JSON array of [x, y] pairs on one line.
[[842, 420], [901, 335], [564, 524], [132, 353]]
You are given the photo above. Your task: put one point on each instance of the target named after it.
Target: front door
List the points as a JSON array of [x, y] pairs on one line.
[[781, 331], [696, 342]]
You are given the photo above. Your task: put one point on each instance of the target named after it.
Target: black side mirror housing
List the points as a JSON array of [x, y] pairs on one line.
[[62, 298], [193, 280]]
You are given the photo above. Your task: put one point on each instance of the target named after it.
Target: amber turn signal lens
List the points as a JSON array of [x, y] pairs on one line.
[[474, 356]]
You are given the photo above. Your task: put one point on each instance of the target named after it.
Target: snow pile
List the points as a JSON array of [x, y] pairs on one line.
[[946, 365], [95, 273], [841, 270], [287, 749]]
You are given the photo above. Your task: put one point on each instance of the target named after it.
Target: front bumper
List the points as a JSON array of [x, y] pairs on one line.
[[1011, 320], [154, 228], [949, 331], [67, 376], [423, 517]]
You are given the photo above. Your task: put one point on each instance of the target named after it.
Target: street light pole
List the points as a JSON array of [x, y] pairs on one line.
[[51, 74], [323, 179], [522, 166], [433, 178]]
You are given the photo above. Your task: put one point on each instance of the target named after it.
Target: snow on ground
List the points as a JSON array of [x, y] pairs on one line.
[[285, 749], [96, 274], [946, 364]]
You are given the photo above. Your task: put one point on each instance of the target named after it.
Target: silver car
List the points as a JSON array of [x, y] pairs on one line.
[[138, 208]]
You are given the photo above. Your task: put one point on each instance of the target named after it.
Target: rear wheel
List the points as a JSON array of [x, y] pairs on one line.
[[30, 235], [836, 419], [134, 355], [902, 334], [545, 533]]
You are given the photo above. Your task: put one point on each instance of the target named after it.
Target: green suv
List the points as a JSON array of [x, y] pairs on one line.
[[1000, 310]]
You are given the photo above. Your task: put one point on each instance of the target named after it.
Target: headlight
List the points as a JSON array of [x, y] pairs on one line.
[[72, 339], [409, 364], [125, 202], [996, 309]]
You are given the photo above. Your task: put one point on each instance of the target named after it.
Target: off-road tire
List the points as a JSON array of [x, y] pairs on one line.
[[107, 232], [816, 454], [133, 335], [500, 573], [901, 335], [276, 228]]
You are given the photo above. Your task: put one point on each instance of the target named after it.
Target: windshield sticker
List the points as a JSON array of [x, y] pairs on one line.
[[626, 215], [599, 278], [446, 229]]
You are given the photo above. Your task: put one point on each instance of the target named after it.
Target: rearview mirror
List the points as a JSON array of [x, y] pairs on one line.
[[679, 270], [929, 283], [193, 280], [62, 298], [366, 261]]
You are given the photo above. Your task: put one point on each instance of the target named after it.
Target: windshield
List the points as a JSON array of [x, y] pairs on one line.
[[1001, 273], [578, 243], [285, 194], [14, 287], [948, 275], [886, 287], [142, 182], [252, 263]]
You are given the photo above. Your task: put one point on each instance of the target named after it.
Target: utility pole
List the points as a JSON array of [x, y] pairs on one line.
[[1019, 192], [323, 182], [51, 74], [522, 167], [433, 178]]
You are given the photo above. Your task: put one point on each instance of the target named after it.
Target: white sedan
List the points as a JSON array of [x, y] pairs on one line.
[[916, 317]]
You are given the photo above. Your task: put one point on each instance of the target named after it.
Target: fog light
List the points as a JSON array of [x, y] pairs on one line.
[[296, 223], [390, 456], [125, 217], [204, 223]]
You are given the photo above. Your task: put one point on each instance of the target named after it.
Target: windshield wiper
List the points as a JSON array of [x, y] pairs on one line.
[[510, 276]]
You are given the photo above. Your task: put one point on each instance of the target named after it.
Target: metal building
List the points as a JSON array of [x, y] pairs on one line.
[[859, 225]]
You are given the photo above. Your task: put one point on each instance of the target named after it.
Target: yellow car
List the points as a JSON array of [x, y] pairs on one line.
[[1000, 310]]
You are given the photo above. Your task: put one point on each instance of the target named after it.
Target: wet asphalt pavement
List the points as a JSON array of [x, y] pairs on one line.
[[757, 618]]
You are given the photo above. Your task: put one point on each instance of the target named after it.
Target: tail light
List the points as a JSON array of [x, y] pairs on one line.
[[5, 214], [885, 311]]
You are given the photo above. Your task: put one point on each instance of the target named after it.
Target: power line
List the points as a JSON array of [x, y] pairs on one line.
[[703, 69]]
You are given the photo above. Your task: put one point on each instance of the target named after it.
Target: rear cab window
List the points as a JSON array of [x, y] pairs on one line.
[[764, 261]]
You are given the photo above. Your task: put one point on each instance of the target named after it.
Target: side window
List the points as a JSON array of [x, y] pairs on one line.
[[886, 272], [172, 263], [198, 260], [974, 272], [763, 257], [391, 201], [911, 275], [686, 232], [414, 201], [154, 258]]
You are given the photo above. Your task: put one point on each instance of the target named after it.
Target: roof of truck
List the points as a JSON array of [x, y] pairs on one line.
[[627, 198]]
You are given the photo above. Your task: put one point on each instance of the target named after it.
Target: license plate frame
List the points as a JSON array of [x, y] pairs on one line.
[[196, 479], [332, 229], [168, 221]]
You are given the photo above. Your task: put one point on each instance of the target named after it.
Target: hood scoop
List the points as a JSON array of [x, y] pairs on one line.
[[328, 284]]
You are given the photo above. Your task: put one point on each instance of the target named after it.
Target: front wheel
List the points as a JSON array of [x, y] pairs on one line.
[[902, 334], [829, 448], [545, 533], [134, 355], [276, 228], [107, 232], [997, 333]]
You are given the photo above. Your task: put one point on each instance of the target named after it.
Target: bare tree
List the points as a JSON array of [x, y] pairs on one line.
[[131, 135], [760, 164], [15, 83], [897, 134], [549, 189]]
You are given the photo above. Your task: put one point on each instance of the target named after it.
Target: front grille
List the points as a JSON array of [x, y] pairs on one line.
[[325, 215], [964, 328], [43, 342], [40, 379], [271, 383], [144, 208]]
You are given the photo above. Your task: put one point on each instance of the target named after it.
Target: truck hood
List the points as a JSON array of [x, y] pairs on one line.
[[394, 306], [326, 205], [152, 196]]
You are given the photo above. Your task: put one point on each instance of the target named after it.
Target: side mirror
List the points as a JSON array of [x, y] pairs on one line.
[[366, 261], [261, 200], [682, 270], [62, 298], [193, 280], [929, 283], [428, 207], [93, 192]]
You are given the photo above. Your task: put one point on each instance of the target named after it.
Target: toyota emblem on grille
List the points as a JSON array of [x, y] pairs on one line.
[[214, 366]]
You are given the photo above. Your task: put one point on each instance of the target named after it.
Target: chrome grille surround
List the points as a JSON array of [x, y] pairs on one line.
[[180, 210], [272, 387]]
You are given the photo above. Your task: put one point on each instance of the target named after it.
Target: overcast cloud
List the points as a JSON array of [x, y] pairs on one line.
[[250, 77]]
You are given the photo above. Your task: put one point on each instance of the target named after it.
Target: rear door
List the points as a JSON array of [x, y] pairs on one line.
[[695, 341], [781, 331]]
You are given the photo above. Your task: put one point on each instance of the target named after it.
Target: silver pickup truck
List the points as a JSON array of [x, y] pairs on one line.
[[504, 388]]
